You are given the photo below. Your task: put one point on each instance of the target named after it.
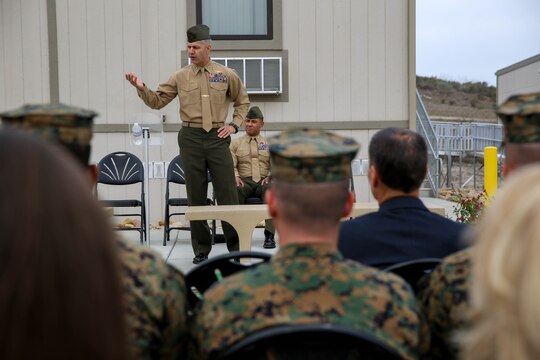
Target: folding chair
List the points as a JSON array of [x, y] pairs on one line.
[[123, 168], [175, 175]]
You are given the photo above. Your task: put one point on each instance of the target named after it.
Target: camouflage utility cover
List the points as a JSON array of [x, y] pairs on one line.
[[68, 125], [521, 117], [445, 303], [310, 284], [311, 156]]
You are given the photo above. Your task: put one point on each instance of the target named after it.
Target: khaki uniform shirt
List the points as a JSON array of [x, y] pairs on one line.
[[224, 86], [243, 158]]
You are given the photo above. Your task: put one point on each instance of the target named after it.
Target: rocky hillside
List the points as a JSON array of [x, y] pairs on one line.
[[454, 101]]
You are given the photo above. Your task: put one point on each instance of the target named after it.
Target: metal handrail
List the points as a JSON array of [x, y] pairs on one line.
[[426, 129]]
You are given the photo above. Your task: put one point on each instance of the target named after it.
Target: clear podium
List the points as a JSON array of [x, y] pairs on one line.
[[146, 130]]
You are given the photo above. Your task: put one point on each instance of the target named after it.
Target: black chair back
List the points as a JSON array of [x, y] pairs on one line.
[[120, 168], [414, 270], [204, 275], [308, 341]]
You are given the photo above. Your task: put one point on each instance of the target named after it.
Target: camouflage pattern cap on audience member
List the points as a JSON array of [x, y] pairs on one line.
[[311, 156], [198, 33], [521, 117], [254, 113], [59, 123]]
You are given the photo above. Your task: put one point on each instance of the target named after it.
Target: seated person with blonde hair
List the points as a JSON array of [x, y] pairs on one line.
[[504, 291]]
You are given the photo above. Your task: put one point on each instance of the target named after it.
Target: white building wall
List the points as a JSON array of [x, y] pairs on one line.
[[520, 80], [24, 62], [348, 62]]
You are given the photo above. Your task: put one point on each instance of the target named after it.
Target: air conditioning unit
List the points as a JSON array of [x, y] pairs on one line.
[[261, 75]]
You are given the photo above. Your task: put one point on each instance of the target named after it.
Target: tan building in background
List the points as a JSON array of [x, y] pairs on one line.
[[519, 78], [341, 65]]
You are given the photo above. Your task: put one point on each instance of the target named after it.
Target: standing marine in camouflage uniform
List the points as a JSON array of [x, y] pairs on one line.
[[154, 292], [445, 299], [308, 280]]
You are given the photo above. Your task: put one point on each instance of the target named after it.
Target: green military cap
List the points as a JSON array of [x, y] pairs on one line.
[[521, 117], [198, 33], [254, 113], [311, 156], [68, 125]]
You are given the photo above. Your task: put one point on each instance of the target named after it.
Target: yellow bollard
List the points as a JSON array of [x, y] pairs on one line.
[[490, 171]]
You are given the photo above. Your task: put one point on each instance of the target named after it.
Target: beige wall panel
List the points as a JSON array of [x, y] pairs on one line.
[[523, 80], [24, 72], [151, 46], [78, 28], [44, 53], [132, 46], [293, 26], [343, 73], [272, 112], [156, 198], [359, 60], [325, 60], [97, 65], [3, 68], [114, 64], [99, 147], [13, 53], [64, 63], [170, 47], [396, 61], [32, 50], [377, 59], [170, 149], [307, 62]]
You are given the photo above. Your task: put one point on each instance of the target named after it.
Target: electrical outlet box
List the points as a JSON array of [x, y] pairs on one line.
[[159, 169], [360, 167]]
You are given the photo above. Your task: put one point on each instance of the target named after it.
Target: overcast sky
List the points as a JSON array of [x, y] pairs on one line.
[[469, 40]]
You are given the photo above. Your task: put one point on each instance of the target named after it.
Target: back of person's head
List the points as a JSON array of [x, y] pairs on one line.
[[310, 176], [59, 275], [63, 124], [400, 157], [505, 291], [520, 115]]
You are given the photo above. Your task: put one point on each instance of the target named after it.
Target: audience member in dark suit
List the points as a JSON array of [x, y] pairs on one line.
[[403, 228]]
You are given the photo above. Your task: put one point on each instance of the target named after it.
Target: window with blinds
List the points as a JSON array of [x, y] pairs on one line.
[[237, 19]]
